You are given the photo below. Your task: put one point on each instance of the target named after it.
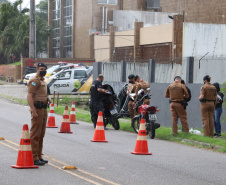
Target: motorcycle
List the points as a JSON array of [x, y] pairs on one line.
[[145, 112], [110, 115]]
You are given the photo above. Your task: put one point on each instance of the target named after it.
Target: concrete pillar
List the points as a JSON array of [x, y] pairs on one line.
[[97, 69], [190, 69], [111, 42], [123, 71], [151, 71], [50, 23], [137, 48], [177, 38]]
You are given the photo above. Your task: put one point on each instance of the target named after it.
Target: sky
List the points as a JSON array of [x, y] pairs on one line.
[[26, 3]]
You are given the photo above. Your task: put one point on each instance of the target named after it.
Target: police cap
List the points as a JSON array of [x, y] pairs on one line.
[[177, 77], [206, 77], [131, 76], [40, 64]]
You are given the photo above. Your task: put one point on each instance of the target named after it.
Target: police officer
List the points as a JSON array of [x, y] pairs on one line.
[[37, 98], [140, 84], [130, 90], [208, 96], [96, 104], [177, 92]]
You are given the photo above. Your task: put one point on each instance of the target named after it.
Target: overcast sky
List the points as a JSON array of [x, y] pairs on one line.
[[26, 3]]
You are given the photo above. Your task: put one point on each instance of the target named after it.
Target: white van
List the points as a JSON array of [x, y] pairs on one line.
[[77, 80]]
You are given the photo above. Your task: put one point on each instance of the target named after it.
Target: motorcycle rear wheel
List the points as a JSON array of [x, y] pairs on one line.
[[136, 125], [152, 130]]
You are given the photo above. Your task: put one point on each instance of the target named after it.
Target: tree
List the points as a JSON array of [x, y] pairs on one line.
[[14, 32], [42, 10], [3, 1]]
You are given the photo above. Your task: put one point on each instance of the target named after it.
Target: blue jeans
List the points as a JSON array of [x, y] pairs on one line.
[[217, 124]]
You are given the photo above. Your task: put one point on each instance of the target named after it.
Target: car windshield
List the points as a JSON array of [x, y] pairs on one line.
[[79, 74], [51, 69]]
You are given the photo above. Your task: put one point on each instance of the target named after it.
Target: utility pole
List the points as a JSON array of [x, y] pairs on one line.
[[32, 42]]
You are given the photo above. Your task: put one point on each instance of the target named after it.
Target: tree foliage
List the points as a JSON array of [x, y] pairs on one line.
[[14, 32], [3, 1]]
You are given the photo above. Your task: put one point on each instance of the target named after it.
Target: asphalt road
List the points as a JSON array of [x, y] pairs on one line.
[[103, 163]]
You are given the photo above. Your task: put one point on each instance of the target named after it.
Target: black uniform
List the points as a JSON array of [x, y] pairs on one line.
[[96, 104]]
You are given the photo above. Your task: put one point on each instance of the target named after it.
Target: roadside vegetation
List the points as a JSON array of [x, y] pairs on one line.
[[164, 133]]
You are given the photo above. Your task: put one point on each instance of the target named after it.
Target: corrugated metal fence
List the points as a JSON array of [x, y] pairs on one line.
[[112, 70]]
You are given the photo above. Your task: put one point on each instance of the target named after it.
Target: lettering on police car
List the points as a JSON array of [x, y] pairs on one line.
[[61, 85]]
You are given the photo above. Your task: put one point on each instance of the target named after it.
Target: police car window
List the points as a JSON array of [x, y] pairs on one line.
[[79, 74], [65, 75]]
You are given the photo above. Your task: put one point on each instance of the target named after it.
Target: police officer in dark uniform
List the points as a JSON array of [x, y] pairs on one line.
[[177, 92], [96, 104], [208, 96], [37, 98]]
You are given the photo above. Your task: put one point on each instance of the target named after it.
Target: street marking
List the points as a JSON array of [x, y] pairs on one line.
[[64, 164], [74, 174]]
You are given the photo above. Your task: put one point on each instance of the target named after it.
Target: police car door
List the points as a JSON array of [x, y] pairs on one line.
[[79, 77], [62, 84]]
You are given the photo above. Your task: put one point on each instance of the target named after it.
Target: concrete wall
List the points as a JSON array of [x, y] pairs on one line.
[[164, 116], [11, 71], [216, 68], [148, 36], [199, 39], [156, 34]]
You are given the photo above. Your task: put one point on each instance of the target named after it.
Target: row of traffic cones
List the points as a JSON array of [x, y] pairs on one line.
[[25, 159], [65, 124]]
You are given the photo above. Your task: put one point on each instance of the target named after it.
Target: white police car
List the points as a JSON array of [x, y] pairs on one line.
[[77, 80]]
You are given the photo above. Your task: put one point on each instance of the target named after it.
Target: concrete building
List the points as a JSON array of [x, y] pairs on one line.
[[74, 21]]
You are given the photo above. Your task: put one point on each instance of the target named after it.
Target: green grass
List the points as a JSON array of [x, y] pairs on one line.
[[16, 63], [163, 133]]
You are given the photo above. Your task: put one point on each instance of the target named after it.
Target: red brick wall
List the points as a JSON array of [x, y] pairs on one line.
[[11, 71]]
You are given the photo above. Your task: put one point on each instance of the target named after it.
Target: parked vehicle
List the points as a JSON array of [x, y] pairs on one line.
[[145, 112], [50, 71], [76, 80], [110, 112]]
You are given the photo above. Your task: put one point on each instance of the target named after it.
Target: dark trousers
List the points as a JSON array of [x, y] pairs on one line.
[[95, 107]]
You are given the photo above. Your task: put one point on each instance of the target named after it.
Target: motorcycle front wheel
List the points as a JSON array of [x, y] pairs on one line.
[[115, 123], [136, 124]]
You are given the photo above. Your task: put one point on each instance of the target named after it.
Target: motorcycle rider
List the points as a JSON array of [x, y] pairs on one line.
[[130, 90], [96, 104], [141, 85]]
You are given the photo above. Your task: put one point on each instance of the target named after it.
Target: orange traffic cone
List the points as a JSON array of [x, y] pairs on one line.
[[51, 118], [25, 158], [72, 117], [99, 135], [65, 124], [141, 147]]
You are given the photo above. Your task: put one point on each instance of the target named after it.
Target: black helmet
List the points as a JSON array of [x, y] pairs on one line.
[[131, 76]]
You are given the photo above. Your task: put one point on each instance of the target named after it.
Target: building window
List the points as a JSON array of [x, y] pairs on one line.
[[56, 28], [153, 4], [110, 2], [67, 28]]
